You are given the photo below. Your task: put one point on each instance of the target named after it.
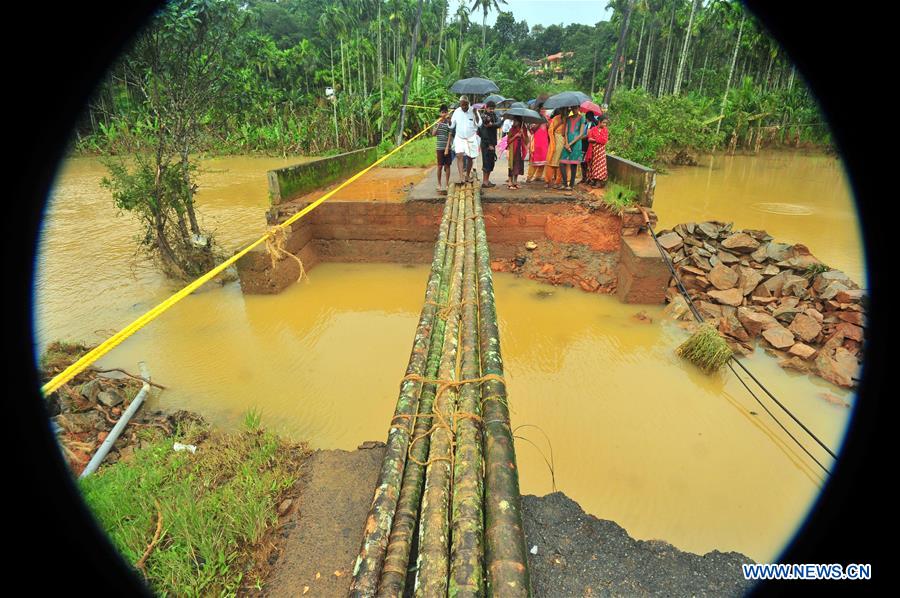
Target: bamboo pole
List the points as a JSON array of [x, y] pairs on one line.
[[432, 564], [467, 522], [505, 553], [396, 562], [378, 523]]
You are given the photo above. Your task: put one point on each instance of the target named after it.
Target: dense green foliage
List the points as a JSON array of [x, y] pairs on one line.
[[273, 61], [215, 506]]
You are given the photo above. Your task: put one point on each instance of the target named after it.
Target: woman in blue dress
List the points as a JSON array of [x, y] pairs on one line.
[[572, 155]]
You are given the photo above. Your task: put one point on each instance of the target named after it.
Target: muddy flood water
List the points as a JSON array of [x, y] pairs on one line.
[[637, 435]]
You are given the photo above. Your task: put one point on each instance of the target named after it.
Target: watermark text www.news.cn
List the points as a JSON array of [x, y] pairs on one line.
[[773, 571]]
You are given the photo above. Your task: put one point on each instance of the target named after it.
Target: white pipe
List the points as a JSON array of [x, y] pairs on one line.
[[107, 444]]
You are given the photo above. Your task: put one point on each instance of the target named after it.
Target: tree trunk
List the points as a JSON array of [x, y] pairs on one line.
[[380, 76], [637, 55], [648, 62], [166, 254], [613, 70], [664, 74], [684, 48], [359, 70], [362, 70], [334, 98], [441, 37], [730, 73], [703, 72], [189, 199], [409, 66], [484, 26]]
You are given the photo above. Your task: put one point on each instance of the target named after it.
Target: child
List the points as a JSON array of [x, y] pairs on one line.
[[444, 157]]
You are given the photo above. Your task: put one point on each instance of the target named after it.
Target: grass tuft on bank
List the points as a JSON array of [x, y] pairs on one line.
[[618, 198], [215, 505]]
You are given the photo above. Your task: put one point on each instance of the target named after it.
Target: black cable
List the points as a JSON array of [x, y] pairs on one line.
[[808, 431], [752, 394], [743, 367]]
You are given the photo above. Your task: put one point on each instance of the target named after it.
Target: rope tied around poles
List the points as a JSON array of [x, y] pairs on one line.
[[443, 386], [276, 247]]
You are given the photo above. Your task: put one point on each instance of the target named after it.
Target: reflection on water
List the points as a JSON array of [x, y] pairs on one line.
[[637, 435]]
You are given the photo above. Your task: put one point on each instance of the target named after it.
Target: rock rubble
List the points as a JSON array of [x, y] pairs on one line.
[[811, 317]]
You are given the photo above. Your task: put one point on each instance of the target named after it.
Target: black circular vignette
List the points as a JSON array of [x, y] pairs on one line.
[[78, 42], [830, 55], [63, 51]]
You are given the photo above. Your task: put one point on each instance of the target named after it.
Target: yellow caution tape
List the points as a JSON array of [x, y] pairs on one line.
[[113, 341]]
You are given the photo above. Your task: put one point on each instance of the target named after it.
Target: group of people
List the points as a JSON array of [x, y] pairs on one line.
[[553, 149]]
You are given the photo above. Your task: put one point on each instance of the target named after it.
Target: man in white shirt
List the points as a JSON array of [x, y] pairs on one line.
[[464, 123]]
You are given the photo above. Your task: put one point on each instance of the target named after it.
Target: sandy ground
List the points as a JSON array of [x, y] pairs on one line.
[[321, 537], [576, 553], [379, 184]]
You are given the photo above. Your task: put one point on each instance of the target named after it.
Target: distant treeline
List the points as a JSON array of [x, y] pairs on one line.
[[264, 66]]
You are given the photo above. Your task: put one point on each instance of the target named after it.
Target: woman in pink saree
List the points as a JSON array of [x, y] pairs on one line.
[[540, 142]]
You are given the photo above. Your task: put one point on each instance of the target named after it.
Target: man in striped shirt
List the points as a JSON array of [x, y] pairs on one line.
[[444, 141]]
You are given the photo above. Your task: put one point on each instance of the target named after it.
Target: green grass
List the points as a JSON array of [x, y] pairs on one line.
[[814, 270], [617, 198], [418, 154], [216, 505], [706, 349]]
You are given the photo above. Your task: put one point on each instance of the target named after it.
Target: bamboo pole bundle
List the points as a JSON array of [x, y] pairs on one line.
[[396, 562], [457, 478], [432, 565], [467, 523], [378, 523], [505, 552]]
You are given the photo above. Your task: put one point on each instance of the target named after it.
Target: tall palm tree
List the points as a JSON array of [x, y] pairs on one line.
[[614, 67], [409, 69], [486, 6]]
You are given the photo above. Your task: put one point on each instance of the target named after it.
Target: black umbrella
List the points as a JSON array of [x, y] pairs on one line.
[[474, 85], [511, 103], [529, 116], [566, 99], [494, 97]]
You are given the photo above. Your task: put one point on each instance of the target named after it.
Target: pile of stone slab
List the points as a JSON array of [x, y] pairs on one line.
[[751, 287]]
